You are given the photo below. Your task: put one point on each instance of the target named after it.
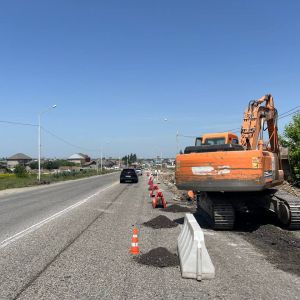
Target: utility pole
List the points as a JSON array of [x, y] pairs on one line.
[[101, 159], [101, 162], [39, 140], [161, 158], [39, 149]]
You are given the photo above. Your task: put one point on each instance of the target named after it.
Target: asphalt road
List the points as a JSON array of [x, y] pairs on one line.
[[84, 254], [22, 210]]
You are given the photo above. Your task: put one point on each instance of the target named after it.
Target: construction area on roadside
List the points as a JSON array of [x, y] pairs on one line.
[[241, 257], [236, 187]]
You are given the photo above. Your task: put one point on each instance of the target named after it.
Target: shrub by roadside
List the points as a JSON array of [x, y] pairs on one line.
[[8, 181]]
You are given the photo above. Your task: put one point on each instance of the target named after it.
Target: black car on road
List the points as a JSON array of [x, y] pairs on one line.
[[128, 175]]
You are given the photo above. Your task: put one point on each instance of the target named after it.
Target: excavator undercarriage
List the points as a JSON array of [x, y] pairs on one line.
[[221, 209]]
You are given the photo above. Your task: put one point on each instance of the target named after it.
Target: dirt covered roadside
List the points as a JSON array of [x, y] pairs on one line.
[[290, 189], [279, 246], [168, 179]]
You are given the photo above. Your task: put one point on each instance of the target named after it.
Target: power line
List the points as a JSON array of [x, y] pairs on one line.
[[186, 136], [282, 115], [233, 129], [237, 129], [292, 113], [18, 123], [67, 142]]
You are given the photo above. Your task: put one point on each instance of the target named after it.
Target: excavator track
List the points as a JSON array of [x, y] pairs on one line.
[[290, 205], [223, 215], [219, 212], [295, 214]]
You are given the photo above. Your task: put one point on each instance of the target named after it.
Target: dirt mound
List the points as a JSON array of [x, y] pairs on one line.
[[159, 257], [291, 189], [177, 208], [281, 247], [160, 222]]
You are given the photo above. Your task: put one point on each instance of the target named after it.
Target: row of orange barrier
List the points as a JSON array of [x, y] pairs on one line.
[[159, 198]]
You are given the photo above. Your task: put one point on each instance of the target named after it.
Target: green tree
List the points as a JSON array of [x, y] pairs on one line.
[[51, 164], [291, 139], [130, 158], [34, 165], [65, 163], [20, 171]]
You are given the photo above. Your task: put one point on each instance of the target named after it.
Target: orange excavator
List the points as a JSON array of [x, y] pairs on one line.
[[229, 175]]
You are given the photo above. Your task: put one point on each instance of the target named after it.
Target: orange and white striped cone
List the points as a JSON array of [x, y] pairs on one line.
[[135, 242]]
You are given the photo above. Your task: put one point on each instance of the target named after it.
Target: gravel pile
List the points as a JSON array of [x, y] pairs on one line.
[[290, 189], [169, 181], [160, 222], [281, 247], [175, 208], [159, 257]]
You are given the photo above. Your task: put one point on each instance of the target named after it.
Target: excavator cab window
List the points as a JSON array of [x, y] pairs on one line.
[[235, 141], [215, 141], [198, 141]]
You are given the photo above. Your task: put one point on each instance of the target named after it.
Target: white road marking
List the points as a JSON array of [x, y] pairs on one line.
[[34, 227]]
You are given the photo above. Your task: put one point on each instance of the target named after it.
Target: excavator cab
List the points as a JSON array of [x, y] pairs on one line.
[[217, 139], [220, 138], [212, 142]]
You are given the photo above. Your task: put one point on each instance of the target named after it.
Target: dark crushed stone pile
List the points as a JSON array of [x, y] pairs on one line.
[[281, 247], [159, 257], [160, 222], [177, 208]]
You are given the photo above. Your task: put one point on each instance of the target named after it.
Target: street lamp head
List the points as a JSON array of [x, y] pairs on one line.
[[165, 119], [53, 106]]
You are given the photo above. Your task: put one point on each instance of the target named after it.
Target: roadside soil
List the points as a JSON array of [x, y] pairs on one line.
[[279, 246], [160, 222], [175, 208], [159, 257]]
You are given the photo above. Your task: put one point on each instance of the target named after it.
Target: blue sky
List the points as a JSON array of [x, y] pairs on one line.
[[116, 69]]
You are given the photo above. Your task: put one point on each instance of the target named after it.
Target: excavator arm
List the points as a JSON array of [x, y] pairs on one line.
[[258, 113]]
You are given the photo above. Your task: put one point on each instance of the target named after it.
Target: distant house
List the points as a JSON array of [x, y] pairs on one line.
[[79, 158], [108, 163], [17, 159], [93, 164]]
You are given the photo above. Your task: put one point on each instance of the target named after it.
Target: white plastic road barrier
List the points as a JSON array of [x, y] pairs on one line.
[[195, 261]]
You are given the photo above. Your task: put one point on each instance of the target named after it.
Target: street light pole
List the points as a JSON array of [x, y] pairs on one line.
[[101, 156], [101, 163], [39, 140], [39, 148]]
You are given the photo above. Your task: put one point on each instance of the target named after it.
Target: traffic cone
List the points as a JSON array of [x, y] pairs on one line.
[[135, 242]]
